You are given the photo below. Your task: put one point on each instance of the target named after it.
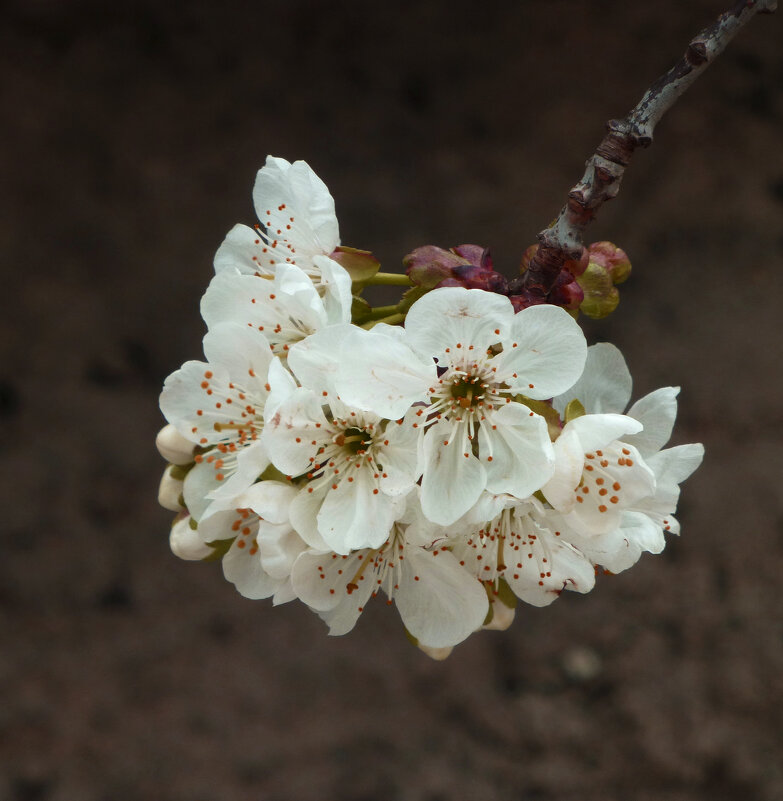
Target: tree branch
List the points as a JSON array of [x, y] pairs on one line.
[[562, 241]]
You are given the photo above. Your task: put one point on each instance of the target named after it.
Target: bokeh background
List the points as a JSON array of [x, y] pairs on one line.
[[129, 139]]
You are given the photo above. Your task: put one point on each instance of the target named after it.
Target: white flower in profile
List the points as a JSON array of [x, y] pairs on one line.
[[439, 602], [464, 360], [354, 467], [515, 541], [263, 544], [218, 405], [298, 224], [615, 486], [286, 309]]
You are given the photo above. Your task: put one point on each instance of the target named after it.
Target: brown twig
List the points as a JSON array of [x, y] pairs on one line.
[[562, 241]]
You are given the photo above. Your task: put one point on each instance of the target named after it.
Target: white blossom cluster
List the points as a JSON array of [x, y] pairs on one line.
[[467, 458]]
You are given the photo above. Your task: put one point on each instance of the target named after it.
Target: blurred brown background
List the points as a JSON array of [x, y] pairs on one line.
[[130, 136]]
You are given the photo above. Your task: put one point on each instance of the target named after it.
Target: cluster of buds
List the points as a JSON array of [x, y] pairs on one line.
[[587, 284], [457, 453]]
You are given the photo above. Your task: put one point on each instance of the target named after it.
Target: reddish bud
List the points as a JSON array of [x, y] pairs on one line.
[[613, 259], [427, 266]]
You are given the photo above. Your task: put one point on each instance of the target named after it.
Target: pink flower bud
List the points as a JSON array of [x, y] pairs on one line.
[[427, 266], [613, 259]]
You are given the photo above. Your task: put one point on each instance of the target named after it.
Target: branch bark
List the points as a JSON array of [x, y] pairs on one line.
[[562, 241]]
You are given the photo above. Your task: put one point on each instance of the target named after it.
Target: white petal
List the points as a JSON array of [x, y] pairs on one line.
[[269, 500], [546, 349], [449, 316], [336, 287], [173, 447], [399, 458], [242, 250], [569, 465], [353, 517], [453, 478], [556, 566], [242, 567], [605, 385], [439, 602], [170, 491], [522, 457], [597, 430], [278, 546], [281, 387], [284, 191], [185, 542], [199, 482], [303, 512], [251, 462], [382, 374], [321, 580], [317, 360], [244, 352], [657, 412], [289, 433]]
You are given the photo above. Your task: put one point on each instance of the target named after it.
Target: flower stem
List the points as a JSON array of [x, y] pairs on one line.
[[392, 319], [388, 279], [381, 311]]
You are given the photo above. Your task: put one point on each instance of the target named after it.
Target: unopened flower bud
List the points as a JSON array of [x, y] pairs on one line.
[[477, 255], [361, 265], [600, 295], [427, 266], [185, 542], [173, 447], [170, 490], [438, 654], [613, 259], [502, 617]]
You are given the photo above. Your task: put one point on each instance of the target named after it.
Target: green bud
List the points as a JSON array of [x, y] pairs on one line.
[[613, 259], [601, 296]]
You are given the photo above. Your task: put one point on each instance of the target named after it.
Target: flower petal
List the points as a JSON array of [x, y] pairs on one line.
[[545, 349], [353, 516], [439, 602], [451, 316], [453, 478], [605, 385], [657, 412], [516, 451], [382, 374]]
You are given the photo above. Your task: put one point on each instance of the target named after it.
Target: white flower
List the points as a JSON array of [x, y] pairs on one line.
[[218, 405], [439, 602], [286, 309], [354, 466], [264, 545], [616, 489], [515, 541], [477, 434], [298, 223]]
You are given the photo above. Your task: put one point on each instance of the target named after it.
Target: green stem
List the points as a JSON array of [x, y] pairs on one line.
[[392, 319], [380, 311], [388, 279]]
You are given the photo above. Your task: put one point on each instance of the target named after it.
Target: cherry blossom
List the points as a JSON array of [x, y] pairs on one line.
[[515, 541], [218, 405], [439, 602], [468, 362], [286, 309], [297, 224], [615, 487]]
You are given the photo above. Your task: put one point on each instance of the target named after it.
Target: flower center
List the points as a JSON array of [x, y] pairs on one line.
[[468, 390], [354, 440]]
